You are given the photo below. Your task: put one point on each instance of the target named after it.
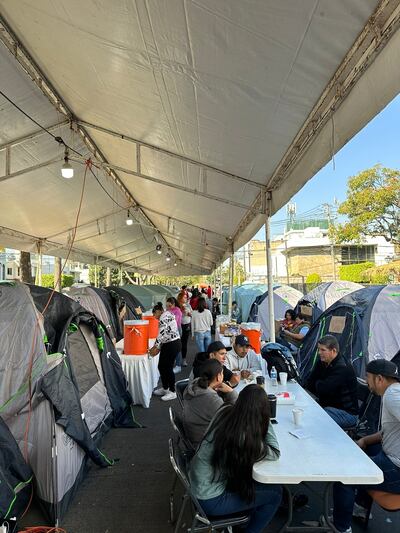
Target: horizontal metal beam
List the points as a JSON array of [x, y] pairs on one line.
[[30, 169], [33, 135], [174, 155], [155, 212], [165, 183]]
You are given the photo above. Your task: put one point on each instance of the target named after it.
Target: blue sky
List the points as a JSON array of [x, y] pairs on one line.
[[378, 142]]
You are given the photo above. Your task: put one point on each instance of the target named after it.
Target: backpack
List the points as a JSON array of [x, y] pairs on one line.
[[281, 358]]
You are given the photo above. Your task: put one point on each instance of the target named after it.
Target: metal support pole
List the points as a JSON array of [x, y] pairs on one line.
[[269, 272], [57, 274], [215, 282], [230, 297], [95, 275], [121, 278], [39, 265], [108, 277], [286, 261]]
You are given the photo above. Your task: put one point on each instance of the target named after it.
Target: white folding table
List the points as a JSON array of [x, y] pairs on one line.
[[327, 454], [142, 374]]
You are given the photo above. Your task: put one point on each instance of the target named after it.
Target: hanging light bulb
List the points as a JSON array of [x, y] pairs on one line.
[[159, 249], [128, 220], [168, 257], [66, 170], [175, 264]]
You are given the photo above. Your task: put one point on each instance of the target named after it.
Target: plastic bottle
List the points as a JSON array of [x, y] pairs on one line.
[[274, 377]]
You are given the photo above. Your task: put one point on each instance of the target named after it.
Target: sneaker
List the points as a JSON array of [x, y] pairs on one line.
[[184, 363], [177, 369], [169, 396], [359, 511], [160, 392], [323, 522]]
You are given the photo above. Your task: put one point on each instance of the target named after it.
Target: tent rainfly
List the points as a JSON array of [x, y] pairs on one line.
[[60, 373]]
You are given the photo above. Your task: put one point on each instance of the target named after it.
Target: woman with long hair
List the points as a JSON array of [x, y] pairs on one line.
[[201, 325], [168, 345], [186, 320], [203, 397], [221, 471]]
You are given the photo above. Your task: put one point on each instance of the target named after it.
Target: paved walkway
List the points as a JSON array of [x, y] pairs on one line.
[[133, 495]]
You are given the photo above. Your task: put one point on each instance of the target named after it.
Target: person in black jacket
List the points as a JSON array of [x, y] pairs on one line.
[[334, 383]]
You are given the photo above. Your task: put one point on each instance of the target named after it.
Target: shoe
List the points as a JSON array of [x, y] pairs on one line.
[[169, 396], [160, 392], [184, 363], [323, 522], [360, 512], [177, 369]]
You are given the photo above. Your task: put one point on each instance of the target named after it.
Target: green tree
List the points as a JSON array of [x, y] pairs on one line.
[[372, 207], [48, 280], [312, 281], [102, 276]]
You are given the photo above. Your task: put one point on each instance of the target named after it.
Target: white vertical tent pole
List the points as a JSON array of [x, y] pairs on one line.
[[39, 265], [57, 274], [120, 276], [269, 270], [220, 284], [230, 283], [215, 281], [108, 277]]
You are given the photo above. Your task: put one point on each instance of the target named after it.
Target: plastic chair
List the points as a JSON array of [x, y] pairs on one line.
[[187, 450], [386, 500], [201, 522], [180, 387]]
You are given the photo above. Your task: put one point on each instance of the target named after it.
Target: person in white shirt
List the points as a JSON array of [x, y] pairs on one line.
[[242, 357], [168, 345], [383, 447], [202, 321]]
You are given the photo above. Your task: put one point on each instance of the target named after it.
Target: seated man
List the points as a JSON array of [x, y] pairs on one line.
[[383, 447], [236, 313], [293, 337], [334, 383], [216, 350], [242, 357]]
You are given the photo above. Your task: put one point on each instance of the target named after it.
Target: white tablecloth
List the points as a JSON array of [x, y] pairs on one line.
[[226, 341], [327, 454], [142, 374]]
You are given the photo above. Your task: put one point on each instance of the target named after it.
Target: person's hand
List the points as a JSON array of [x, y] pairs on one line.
[[154, 351], [235, 379], [361, 443], [245, 374], [223, 387]]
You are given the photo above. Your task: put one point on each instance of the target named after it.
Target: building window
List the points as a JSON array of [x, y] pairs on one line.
[[9, 271], [357, 254]]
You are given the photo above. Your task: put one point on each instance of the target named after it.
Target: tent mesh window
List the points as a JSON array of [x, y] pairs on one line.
[[82, 362]]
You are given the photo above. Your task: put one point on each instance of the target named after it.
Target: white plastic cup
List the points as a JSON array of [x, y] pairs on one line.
[[283, 378], [297, 416]]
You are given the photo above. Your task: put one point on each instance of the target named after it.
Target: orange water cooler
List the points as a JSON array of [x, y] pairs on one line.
[[136, 337], [153, 328], [252, 330]]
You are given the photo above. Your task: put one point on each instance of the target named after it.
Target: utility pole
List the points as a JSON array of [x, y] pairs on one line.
[[328, 212]]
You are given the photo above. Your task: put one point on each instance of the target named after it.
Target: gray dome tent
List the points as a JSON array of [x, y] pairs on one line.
[[366, 324], [61, 388], [325, 295]]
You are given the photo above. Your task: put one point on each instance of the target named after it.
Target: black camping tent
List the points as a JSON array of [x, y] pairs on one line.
[[366, 324]]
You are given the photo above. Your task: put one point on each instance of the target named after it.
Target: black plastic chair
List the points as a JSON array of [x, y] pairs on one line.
[[187, 450], [180, 387], [201, 522]]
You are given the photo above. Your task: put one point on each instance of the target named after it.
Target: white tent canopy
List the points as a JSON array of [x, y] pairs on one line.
[[200, 116]]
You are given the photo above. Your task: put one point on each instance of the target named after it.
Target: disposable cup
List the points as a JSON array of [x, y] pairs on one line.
[[283, 378], [297, 416]]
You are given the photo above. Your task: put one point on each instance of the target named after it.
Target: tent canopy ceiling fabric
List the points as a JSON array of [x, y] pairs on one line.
[[199, 116]]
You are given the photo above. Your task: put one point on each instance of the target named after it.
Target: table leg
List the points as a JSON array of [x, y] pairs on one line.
[[329, 527]]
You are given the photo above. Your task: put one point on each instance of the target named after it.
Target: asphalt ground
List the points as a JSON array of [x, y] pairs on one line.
[[133, 495]]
